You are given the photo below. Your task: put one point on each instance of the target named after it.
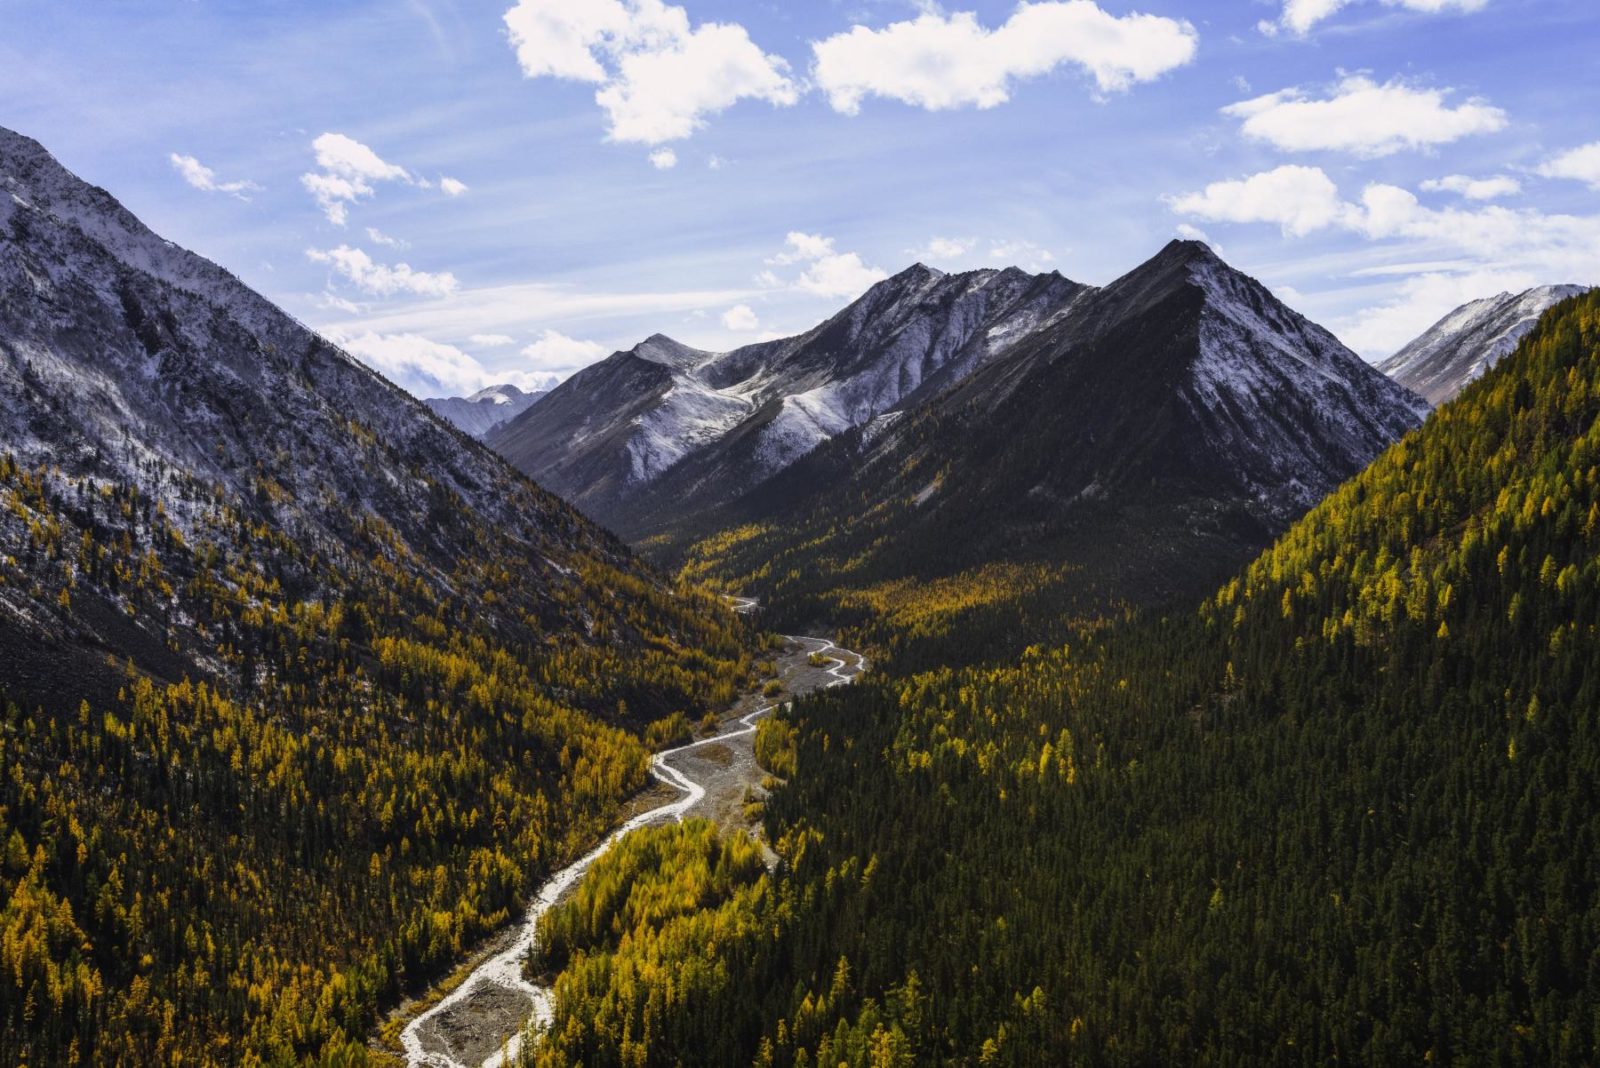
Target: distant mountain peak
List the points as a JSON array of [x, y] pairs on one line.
[[659, 348], [1460, 347]]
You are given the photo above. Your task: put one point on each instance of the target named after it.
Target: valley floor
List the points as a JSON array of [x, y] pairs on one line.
[[479, 1019]]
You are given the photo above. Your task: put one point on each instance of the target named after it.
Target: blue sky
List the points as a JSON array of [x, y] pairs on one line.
[[472, 192]]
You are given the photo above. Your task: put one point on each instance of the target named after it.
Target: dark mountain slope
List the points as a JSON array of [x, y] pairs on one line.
[[1140, 448], [302, 689], [1347, 811], [663, 431]]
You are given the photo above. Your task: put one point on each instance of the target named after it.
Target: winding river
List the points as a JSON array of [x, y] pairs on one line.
[[501, 999]]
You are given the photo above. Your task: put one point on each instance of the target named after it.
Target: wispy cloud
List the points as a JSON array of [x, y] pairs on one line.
[[1299, 16], [380, 279], [205, 179]]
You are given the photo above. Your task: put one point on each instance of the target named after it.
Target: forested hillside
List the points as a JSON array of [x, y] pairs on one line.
[[1346, 810], [301, 691]]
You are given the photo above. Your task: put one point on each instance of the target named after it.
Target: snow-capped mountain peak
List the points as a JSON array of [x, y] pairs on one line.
[[1459, 348], [712, 421]]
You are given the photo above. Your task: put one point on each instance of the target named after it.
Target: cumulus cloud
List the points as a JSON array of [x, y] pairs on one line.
[[1299, 16], [1304, 199], [1491, 247], [740, 318], [944, 249], [426, 367], [939, 61], [1581, 164], [1474, 188], [828, 273], [657, 78], [348, 171], [383, 280], [1364, 118], [554, 351], [663, 159], [1296, 199], [205, 179], [452, 187]]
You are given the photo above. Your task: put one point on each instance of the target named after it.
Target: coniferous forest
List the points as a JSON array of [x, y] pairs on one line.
[[243, 868], [1345, 809], [890, 534]]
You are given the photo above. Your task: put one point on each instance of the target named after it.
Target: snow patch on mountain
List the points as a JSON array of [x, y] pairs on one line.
[[688, 416], [1459, 348]]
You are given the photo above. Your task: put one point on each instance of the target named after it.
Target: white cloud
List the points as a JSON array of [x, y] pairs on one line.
[[492, 341], [740, 318], [524, 309], [452, 187], [1191, 233], [425, 367], [1024, 254], [1297, 199], [378, 237], [1305, 199], [1299, 16], [1363, 118], [1581, 164], [382, 280], [939, 61], [658, 78], [204, 178], [349, 158], [334, 302], [1474, 188], [555, 351], [944, 249], [1421, 301], [349, 169], [828, 273], [663, 159], [1474, 251], [716, 163]]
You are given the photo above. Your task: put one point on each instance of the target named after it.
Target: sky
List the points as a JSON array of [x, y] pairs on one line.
[[470, 193]]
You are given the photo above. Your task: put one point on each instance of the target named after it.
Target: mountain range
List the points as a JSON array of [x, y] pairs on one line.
[[663, 422], [480, 412], [1144, 437], [1184, 625]]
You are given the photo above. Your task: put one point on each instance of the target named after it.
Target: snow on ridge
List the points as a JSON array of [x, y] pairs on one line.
[[689, 416], [1460, 347]]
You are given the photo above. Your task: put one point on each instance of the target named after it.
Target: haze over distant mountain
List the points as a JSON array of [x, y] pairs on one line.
[[1460, 347], [487, 408], [664, 426]]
